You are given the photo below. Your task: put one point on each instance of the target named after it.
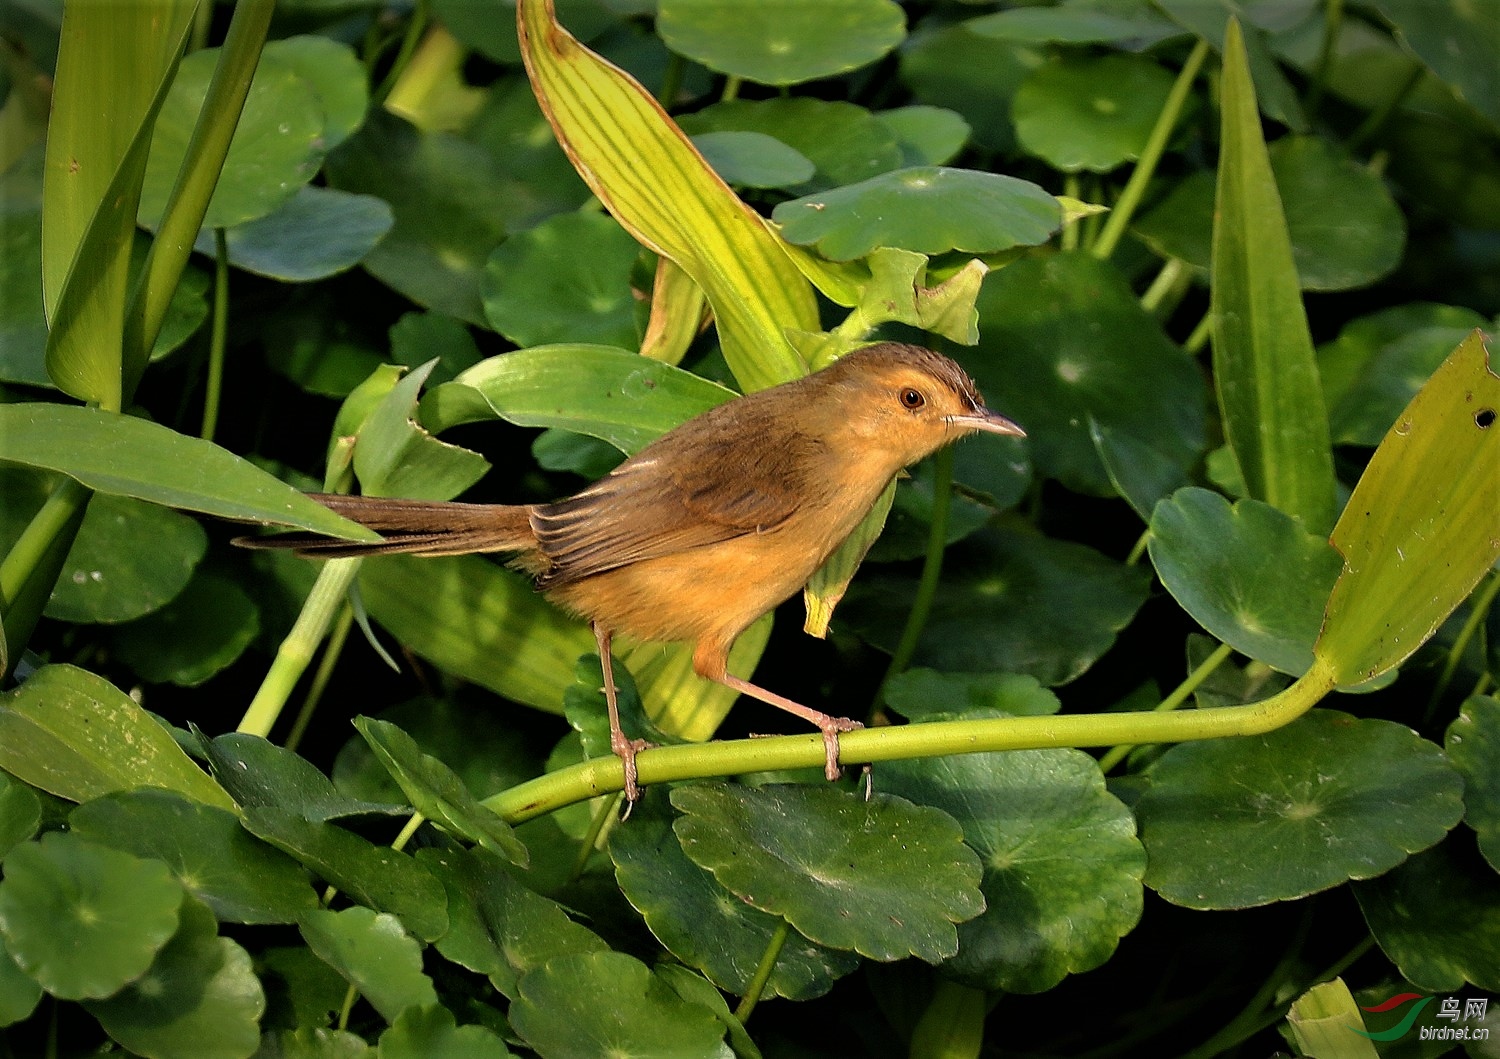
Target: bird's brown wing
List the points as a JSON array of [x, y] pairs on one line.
[[681, 493]]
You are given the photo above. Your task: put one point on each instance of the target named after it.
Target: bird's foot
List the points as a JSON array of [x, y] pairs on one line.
[[831, 727], [626, 749]]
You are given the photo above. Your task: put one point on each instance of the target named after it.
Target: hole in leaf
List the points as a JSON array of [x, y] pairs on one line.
[[1484, 418]]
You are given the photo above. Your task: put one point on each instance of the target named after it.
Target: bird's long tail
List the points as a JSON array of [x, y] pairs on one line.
[[412, 527]]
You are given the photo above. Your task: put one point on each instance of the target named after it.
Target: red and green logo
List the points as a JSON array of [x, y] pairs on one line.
[[1402, 1027]]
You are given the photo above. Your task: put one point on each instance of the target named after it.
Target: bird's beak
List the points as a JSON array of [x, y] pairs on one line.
[[990, 422]]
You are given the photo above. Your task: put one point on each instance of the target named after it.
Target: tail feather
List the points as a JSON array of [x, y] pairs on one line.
[[412, 527]]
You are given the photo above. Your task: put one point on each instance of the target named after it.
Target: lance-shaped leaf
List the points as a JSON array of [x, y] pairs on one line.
[[1423, 524], [659, 187], [96, 160], [1264, 367]]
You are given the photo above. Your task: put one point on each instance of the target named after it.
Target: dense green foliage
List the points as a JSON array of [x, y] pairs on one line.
[[1227, 274]]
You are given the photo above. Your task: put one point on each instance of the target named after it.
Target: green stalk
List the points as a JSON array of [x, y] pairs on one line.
[[932, 571], [1156, 143], [336, 640], [1333, 20], [1482, 601], [296, 651], [1073, 189], [763, 972], [1172, 278], [1199, 338], [196, 181], [415, 27], [218, 336], [667, 764], [30, 568], [1377, 118], [1179, 695]]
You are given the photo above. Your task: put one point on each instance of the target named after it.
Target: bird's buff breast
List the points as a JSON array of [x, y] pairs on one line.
[[717, 591]]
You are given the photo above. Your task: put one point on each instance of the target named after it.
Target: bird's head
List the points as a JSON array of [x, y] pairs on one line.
[[906, 402]]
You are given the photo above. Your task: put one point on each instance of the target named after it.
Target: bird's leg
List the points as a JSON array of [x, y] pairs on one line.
[[625, 749], [829, 725]]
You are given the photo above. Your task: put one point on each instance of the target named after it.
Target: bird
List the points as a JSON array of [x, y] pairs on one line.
[[714, 523]]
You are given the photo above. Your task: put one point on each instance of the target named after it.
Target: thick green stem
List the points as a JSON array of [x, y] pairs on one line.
[[30, 568], [666, 764], [1135, 188], [336, 640], [296, 651], [196, 181], [1179, 695]]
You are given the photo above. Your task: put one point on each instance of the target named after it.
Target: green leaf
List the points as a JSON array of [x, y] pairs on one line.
[[883, 877], [1458, 42], [417, 338], [333, 71], [130, 558], [928, 135], [696, 989], [1264, 368], [703, 924], [623, 398], [311, 1043], [75, 735], [433, 1033], [845, 142], [203, 630], [928, 695], [1217, 22], [1008, 602], [20, 814], [377, 876], [1376, 365], [1140, 472], [132, 457], [23, 322], [297, 979], [396, 456], [643, 169], [1064, 339], [96, 161], [241, 880], [974, 76], [84, 920], [437, 793], [753, 159], [199, 1000], [1090, 113], [317, 233], [19, 992], [781, 43], [1473, 745], [497, 927], [1137, 26], [488, 755], [375, 954], [929, 209], [478, 621], [278, 144], [1231, 823], [607, 1003], [566, 280], [1062, 866], [1213, 556], [451, 203], [1437, 918], [260, 773], [1423, 524], [1346, 230]]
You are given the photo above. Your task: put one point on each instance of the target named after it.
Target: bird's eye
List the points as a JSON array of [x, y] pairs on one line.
[[912, 399]]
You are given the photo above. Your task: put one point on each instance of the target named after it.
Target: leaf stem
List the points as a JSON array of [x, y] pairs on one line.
[[296, 651], [217, 337], [932, 571], [1073, 190], [1179, 695], [1135, 188], [337, 637], [763, 971], [665, 764], [409, 41], [1172, 277], [1199, 338], [1333, 20]]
